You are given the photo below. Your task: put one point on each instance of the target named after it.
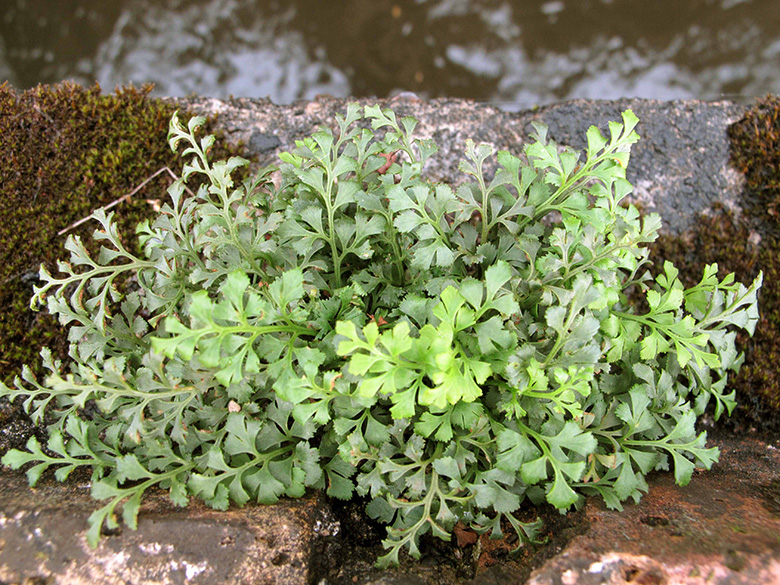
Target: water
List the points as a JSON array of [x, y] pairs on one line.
[[515, 54]]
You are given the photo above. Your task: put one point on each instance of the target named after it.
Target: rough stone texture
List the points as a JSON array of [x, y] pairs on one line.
[[679, 168], [723, 528], [42, 540], [15, 428]]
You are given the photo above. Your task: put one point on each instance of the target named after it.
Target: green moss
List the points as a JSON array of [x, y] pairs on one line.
[[744, 245], [755, 151], [67, 150]]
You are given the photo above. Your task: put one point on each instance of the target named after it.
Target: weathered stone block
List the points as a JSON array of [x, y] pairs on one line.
[[42, 540], [679, 168], [720, 529]]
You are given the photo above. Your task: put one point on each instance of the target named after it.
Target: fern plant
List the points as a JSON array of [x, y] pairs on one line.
[[446, 354]]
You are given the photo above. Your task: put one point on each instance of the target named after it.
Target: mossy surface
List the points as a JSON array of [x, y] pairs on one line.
[[745, 244], [67, 150], [755, 151]]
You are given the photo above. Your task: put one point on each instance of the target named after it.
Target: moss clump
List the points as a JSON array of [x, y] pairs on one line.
[[67, 150], [755, 151], [746, 244]]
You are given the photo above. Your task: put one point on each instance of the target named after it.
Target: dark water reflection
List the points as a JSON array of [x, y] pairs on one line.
[[518, 53]]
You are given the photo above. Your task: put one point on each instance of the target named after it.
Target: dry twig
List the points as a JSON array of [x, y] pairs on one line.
[[123, 198]]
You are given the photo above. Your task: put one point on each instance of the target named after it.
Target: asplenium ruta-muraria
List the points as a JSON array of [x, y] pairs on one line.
[[445, 353]]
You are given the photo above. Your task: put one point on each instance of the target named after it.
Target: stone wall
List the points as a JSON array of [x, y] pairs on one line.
[[719, 529], [679, 168]]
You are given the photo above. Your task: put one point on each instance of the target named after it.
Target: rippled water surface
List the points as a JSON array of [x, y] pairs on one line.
[[516, 54]]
